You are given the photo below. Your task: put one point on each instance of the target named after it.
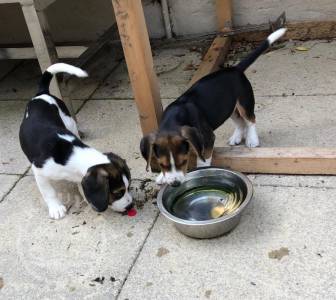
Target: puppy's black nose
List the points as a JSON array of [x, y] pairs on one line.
[[129, 207], [176, 183]]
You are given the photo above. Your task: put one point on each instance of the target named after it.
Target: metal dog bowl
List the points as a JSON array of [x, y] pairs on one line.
[[193, 206]]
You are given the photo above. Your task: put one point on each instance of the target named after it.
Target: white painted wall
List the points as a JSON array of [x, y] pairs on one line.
[[85, 20]]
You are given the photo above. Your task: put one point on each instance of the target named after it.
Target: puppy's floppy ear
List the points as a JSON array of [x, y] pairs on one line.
[[146, 148], [195, 139], [96, 187]]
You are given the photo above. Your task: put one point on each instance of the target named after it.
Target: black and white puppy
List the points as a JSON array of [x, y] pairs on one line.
[[188, 124], [49, 138]]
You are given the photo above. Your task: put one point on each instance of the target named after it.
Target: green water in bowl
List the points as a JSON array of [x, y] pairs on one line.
[[197, 204]]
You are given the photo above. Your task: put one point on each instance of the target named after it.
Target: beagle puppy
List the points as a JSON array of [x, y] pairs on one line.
[[49, 138], [188, 124]]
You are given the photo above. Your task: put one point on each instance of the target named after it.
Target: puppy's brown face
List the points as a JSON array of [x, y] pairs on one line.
[[108, 184], [171, 151]]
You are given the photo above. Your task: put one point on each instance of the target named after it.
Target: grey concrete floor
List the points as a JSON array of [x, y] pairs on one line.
[[145, 257]]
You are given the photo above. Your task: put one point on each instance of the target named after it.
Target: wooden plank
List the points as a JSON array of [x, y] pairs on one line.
[[308, 161], [311, 30], [44, 47], [224, 14], [135, 41], [29, 52], [213, 58]]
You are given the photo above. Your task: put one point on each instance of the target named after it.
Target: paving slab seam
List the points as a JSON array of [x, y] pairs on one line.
[[124, 98], [296, 186], [14, 184], [12, 70], [11, 174], [102, 81], [296, 95], [137, 256]]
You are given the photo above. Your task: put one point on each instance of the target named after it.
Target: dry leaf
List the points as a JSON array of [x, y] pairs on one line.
[[301, 48]]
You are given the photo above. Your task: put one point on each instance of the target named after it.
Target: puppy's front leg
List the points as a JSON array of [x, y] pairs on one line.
[[56, 209]]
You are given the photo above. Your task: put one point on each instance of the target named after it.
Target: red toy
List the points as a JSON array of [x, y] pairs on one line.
[[132, 212]]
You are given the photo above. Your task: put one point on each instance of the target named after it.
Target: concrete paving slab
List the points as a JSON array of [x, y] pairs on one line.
[[174, 68], [289, 71], [86, 255], [6, 183], [113, 126], [7, 66], [12, 159], [252, 262], [22, 82]]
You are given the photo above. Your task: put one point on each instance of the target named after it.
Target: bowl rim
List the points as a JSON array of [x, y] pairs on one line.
[[175, 219]]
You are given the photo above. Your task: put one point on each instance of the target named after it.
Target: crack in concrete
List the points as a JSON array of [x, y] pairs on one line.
[[137, 256], [14, 184]]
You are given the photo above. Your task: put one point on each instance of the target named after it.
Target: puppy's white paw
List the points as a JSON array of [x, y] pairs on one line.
[[201, 163], [237, 137], [252, 139], [56, 211], [160, 179]]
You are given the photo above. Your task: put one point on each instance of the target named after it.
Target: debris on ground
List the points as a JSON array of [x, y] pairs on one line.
[[1, 283], [278, 254], [208, 293], [99, 279], [142, 191], [301, 48], [162, 251]]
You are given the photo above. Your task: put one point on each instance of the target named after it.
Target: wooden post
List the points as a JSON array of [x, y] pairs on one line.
[[135, 41], [220, 46], [44, 47], [224, 14], [213, 58]]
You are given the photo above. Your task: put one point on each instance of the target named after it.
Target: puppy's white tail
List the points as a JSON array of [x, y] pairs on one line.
[[54, 69], [65, 68], [251, 58], [276, 35]]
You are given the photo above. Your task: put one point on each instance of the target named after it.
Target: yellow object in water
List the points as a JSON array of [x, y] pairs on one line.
[[217, 211]]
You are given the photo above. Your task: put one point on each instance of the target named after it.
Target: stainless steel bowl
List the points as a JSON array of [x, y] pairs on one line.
[[189, 211]]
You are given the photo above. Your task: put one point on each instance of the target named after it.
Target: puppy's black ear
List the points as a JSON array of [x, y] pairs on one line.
[[146, 148], [96, 187], [195, 139]]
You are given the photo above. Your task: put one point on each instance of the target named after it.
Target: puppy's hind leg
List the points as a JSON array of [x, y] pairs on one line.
[[239, 132], [246, 111], [56, 209]]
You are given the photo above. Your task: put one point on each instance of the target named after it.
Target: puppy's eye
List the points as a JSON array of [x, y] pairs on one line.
[[118, 194], [184, 147], [182, 164], [156, 150]]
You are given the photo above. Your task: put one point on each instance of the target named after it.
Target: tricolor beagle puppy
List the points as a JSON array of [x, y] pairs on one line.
[[188, 124], [49, 138]]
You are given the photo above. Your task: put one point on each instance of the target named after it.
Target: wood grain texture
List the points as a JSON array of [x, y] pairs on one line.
[[224, 14], [308, 161], [213, 58], [135, 41]]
